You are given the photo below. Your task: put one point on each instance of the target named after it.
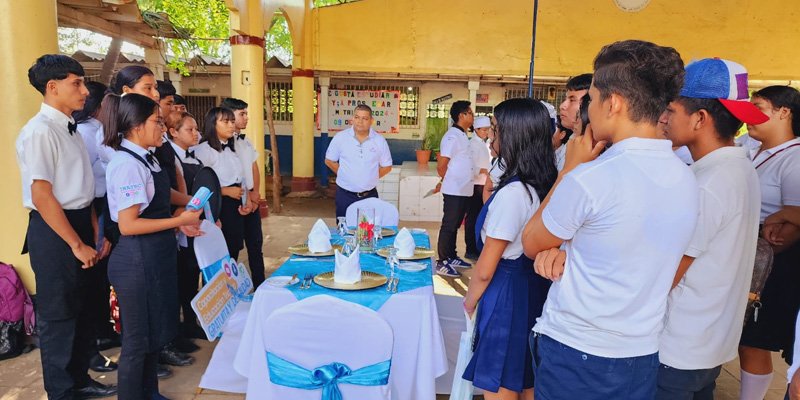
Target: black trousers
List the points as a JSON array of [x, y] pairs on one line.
[[344, 198], [254, 241], [232, 226], [62, 320], [474, 206], [99, 288], [188, 282], [455, 207]]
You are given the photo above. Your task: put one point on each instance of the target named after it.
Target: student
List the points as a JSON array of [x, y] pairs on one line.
[[217, 150], [626, 219], [140, 268], [777, 162], [166, 96], [166, 156], [709, 292], [253, 236], [456, 169], [58, 189], [481, 157], [182, 134], [510, 295], [179, 103], [88, 127], [577, 87]]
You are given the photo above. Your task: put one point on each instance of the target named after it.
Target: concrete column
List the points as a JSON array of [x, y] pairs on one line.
[[155, 60], [322, 107], [473, 87], [247, 73], [28, 29], [303, 132], [176, 79]]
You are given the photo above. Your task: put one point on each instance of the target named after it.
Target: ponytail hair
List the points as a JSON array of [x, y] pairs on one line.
[[120, 114], [128, 76], [175, 120], [783, 96]]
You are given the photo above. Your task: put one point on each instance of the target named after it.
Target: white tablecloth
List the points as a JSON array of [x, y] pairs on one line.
[[417, 359]]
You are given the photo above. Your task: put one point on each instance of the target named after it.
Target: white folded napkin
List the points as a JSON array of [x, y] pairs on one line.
[[347, 269], [404, 243], [319, 239]]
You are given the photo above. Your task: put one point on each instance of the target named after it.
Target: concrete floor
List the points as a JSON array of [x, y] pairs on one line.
[[21, 378]]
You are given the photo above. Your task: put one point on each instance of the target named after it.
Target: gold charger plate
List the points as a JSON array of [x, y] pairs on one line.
[[302, 250], [420, 253], [385, 232], [369, 280]]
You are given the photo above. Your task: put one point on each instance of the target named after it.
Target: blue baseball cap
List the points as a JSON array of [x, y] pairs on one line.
[[726, 81]]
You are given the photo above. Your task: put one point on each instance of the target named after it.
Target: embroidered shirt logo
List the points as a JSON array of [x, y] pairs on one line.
[[131, 190]]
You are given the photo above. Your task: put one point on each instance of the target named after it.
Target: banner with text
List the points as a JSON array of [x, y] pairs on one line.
[[218, 298], [385, 105]]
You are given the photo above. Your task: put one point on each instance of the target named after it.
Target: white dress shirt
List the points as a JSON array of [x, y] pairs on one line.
[[359, 162], [481, 156], [778, 171], [458, 178], [128, 181], [88, 130], [226, 163], [47, 151]]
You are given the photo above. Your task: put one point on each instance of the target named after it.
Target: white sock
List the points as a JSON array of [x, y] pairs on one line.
[[754, 387]]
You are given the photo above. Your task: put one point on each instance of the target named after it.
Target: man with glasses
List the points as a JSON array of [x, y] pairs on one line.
[[456, 168], [358, 156]]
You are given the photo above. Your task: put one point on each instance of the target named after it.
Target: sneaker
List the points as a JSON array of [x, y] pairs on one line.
[[459, 263], [445, 269]]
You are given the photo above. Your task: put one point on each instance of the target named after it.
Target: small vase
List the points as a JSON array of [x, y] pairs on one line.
[[364, 229]]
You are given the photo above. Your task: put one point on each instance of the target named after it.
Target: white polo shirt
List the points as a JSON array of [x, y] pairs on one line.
[[47, 151], [481, 157], [685, 155], [358, 162], [627, 218], [706, 309], [226, 163], [458, 178], [128, 181], [778, 171], [507, 215], [247, 155]]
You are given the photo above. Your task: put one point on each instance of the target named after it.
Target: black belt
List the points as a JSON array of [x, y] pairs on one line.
[[358, 194]]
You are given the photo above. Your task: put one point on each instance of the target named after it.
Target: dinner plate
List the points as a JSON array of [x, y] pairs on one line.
[[412, 266], [281, 281], [420, 253], [385, 232], [368, 280], [302, 250]]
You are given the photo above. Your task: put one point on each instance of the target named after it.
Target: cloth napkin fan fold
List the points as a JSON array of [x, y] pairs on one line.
[[319, 239], [347, 269], [404, 243]]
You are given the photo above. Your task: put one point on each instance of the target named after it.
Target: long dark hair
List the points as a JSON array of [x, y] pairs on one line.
[[210, 126], [783, 96], [128, 76], [583, 110], [96, 92], [120, 114], [526, 147]]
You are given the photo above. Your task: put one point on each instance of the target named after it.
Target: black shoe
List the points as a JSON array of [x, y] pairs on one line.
[[184, 345], [108, 343], [171, 356], [472, 256], [94, 390], [101, 363], [163, 371]]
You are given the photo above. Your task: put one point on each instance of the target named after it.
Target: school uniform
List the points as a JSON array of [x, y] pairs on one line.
[[141, 269], [359, 166], [49, 148], [706, 308], [481, 157], [253, 235], [228, 167], [778, 171], [457, 188], [626, 218], [188, 270], [513, 299]]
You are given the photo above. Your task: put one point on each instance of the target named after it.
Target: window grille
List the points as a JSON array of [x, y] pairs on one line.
[[199, 106], [553, 94]]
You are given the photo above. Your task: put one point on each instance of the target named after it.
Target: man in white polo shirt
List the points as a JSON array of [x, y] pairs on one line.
[[707, 303], [456, 169], [625, 218], [358, 156]]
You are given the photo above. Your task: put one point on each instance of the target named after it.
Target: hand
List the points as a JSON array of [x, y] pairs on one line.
[[772, 233], [244, 210], [191, 230], [581, 149], [86, 255], [794, 387], [190, 217], [233, 192], [253, 196], [549, 263], [105, 249], [253, 206], [218, 224], [470, 310], [438, 187]]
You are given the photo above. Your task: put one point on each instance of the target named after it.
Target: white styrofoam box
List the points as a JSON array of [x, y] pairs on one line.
[[391, 178], [389, 187], [390, 196], [409, 187]]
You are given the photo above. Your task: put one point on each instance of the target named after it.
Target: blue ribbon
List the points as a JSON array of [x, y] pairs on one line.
[[326, 377]]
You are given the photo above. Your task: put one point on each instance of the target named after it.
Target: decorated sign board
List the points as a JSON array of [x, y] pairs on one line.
[[385, 105]]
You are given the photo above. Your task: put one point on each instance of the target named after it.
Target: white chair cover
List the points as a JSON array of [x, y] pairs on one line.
[[219, 375], [318, 331], [386, 212]]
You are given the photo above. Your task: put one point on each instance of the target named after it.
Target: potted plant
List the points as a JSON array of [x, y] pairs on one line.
[[435, 128]]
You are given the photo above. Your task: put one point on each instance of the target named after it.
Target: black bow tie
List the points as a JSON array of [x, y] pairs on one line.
[[150, 157], [72, 127], [241, 136], [229, 145], [189, 154]]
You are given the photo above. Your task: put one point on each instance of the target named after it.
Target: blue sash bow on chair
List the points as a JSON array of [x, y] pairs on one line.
[[327, 377]]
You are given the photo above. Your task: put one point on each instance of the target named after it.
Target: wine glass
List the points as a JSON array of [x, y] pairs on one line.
[[392, 260], [341, 225], [350, 244]]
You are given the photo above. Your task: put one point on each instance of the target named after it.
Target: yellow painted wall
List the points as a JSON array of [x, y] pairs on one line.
[[482, 37]]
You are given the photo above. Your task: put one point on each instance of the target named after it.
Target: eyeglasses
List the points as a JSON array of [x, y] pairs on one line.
[[159, 121]]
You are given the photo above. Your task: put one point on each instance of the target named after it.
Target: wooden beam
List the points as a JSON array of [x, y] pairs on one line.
[[81, 3], [120, 17], [69, 16]]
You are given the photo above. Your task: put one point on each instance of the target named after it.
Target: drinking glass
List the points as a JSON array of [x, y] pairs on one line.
[[392, 261], [349, 246], [341, 225], [366, 221]]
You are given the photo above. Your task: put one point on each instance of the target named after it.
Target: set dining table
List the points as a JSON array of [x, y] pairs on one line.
[[407, 304]]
